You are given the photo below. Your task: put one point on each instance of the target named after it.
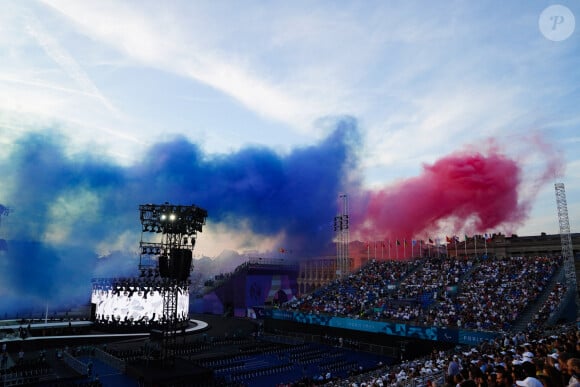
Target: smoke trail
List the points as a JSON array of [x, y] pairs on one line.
[[474, 191], [71, 206]]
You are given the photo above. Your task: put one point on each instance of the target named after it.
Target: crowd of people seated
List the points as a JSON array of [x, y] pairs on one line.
[[551, 305], [433, 276], [472, 293], [536, 358], [360, 291], [493, 296]]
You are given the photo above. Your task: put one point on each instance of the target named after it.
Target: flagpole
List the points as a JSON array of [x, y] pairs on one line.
[[389, 249], [375, 250], [475, 244], [368, 251], [465, 247], [485, 243], [405, 248], [397, 247], [382, 250], [412, 248], [455, 240]]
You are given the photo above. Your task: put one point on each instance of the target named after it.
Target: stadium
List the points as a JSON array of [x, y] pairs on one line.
[[355, 319], [328, 193]]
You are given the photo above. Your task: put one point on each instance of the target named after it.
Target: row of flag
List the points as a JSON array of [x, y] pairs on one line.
[[414, 242]]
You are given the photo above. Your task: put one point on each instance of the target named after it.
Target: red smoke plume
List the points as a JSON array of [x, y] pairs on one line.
[[465, 192]]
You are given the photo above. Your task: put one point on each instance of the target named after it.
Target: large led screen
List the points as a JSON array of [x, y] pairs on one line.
[[136, 307]]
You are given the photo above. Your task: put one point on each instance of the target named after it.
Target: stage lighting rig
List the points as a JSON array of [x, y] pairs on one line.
[[172, 219], [178, 226], [167, 242]]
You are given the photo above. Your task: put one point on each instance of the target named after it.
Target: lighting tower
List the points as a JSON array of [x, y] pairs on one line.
[[566, 240], [170, 252], [342, 237]]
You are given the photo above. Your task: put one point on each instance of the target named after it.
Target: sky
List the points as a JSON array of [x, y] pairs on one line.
[[435, 119]]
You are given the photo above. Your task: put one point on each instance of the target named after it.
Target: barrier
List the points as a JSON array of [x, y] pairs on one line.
[[107, 358], [74, 363]]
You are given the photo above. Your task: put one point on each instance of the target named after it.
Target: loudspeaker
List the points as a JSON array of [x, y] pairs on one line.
[[163, 266], [180, 265]]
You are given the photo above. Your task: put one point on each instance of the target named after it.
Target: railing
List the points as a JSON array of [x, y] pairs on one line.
[[74, 363], [283, 339], [107, 358]]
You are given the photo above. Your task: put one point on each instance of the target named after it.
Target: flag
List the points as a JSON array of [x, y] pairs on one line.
[[405, 242], [447, 239], [431, 240], [282, 250], [414, 242], [398, 243], [466, 237]]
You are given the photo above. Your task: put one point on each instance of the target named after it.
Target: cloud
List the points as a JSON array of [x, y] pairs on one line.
[[64, 60]]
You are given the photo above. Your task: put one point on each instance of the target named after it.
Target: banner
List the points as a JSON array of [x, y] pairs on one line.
[[444, 334]]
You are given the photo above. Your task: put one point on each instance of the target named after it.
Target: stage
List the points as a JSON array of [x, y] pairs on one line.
[[13, 331]]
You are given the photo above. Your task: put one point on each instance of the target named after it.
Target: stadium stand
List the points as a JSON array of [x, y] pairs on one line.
[[480, 294], [483, 295]]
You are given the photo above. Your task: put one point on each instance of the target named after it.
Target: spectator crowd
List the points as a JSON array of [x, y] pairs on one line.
[[471, 293]]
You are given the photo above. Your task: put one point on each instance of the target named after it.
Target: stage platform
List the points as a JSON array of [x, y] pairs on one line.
[[10, 331]]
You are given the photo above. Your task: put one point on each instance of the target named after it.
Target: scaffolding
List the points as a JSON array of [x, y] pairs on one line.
[[341, 229], [566, 240], [172, 231]]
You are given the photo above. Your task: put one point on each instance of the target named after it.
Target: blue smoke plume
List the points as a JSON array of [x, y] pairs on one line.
[[65, 208]]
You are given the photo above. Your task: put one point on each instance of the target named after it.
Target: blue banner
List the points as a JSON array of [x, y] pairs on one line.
[[475, 337], [448, 335], [444, 334]]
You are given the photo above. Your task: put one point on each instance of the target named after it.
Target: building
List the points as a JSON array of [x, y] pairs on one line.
[[500, 245]]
